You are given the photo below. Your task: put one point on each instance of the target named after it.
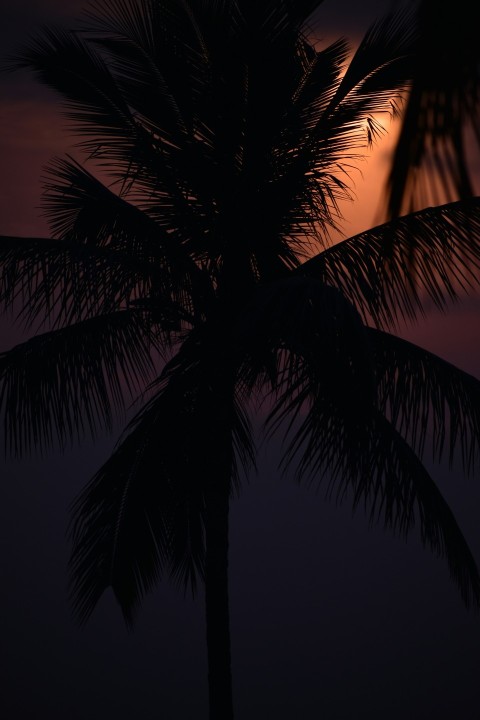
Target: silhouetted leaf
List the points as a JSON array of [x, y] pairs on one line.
[[428, 398], [392, 271], [66, 382], [141, 515], [439, 127]]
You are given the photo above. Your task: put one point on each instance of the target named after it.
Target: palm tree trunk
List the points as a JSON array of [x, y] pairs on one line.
[[216, 601]]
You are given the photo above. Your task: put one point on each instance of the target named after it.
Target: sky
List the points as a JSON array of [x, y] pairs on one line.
[[330, 619]]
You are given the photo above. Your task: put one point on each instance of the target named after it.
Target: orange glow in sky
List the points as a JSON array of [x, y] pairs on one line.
[[32, 132]]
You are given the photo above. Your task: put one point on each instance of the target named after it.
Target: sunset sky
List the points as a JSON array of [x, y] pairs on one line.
[[330, 619]]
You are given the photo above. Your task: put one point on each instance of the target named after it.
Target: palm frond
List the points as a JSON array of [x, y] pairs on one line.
[[144, 512], [319, 81], [100, 111], [137, 150], [431, 158], [140, 516], [391, 271], [401, 492], [298, 328], [427, 397], [378, 72], [332, 120], [303, 177], [82, 210], [159, 59], [68, 382], [382, 62], [64, 62], [55, 282], [365, 461], [332, 380]]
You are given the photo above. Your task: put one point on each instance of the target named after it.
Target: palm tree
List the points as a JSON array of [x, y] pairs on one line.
[[440, 124], [192, 268]]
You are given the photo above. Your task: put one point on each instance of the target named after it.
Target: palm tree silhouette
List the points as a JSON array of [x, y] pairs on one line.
[[192, 268], [440, 124]]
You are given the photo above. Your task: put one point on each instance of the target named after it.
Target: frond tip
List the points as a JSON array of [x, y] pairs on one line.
[[142, 515], [68, 382], [392, 271], [369, 464]]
